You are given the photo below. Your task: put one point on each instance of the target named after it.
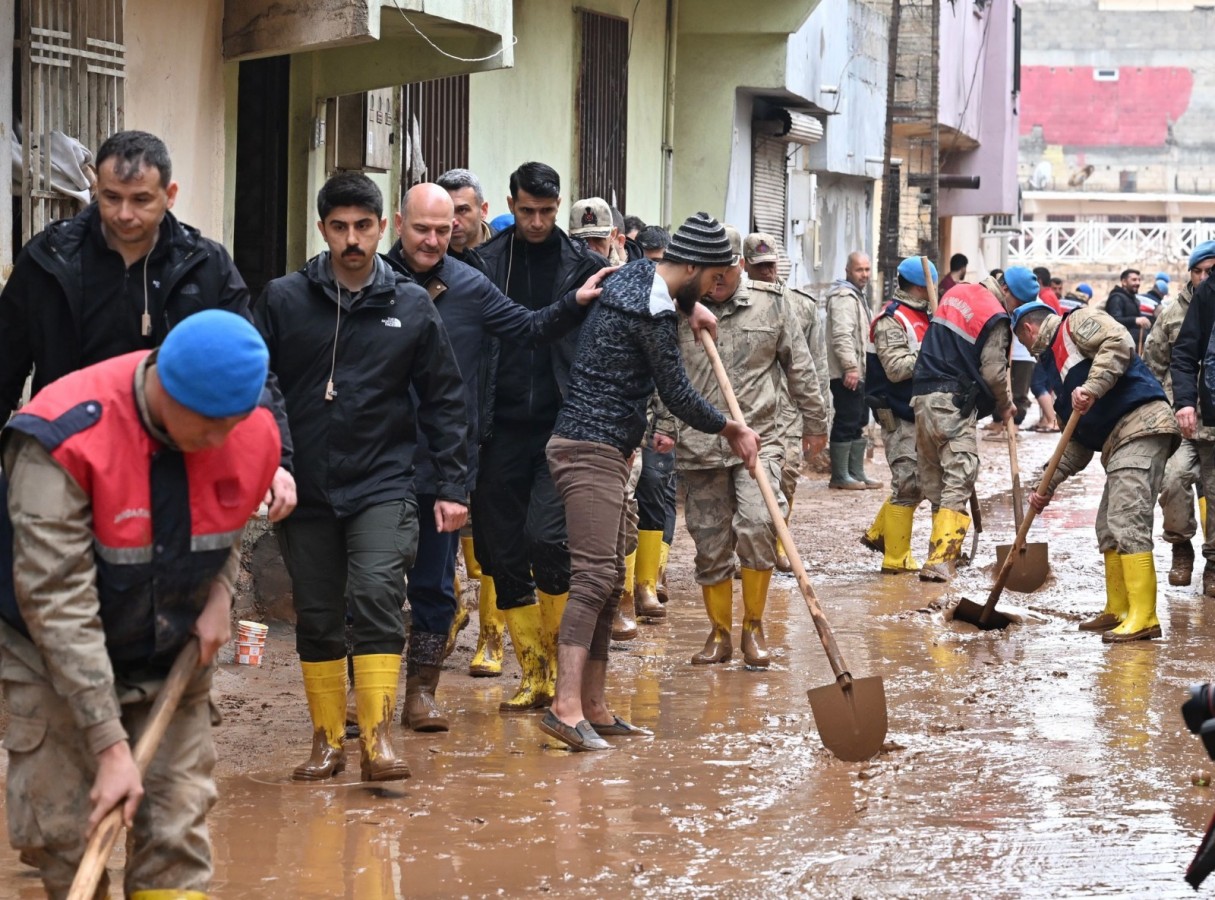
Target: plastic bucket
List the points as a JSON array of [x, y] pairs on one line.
[[248, 654], [251, 632]]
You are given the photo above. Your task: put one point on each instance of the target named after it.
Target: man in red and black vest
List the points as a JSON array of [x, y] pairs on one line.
[[961, 375], [128, 487]]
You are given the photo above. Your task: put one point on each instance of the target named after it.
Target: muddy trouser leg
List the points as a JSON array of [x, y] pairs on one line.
[[709, 510], [952, 451], [1022, 376], [1206, 463], [1133, 475], [791, 468], [753, 529], [899, 442], [1181, 473], [632, 509], [928, 450], [431, 579], [51, 771], [655, 493]]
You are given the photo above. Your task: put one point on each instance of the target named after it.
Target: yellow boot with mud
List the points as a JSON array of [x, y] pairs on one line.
[[552, 608], [459, 623], [1116, 603], [660, 586], [325, 687], [471, 566], [897, 522], [755, 597], [624, 625], [948, 533], [650, 558], [1202, 515], [487, 661], [375, 691], [875, 537], [1141, 624], [526, 628], [168, 894], [719, 604]]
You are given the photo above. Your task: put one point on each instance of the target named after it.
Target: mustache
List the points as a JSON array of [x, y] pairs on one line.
[[353, 251]]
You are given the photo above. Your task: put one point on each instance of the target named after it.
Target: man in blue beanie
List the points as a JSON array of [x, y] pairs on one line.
[[124, 515]]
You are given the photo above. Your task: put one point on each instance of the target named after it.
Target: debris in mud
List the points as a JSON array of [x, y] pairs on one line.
[[1201, 779], [1059, 674], [938, 728], [892, 747], [871, 772]]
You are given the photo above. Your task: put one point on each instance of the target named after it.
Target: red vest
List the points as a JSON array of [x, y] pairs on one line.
[[966, 309]]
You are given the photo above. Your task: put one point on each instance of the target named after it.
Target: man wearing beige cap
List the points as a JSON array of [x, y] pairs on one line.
[[591, 222]]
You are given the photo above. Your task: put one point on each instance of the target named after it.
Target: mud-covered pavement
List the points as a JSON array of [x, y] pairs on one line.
[[1036, 762]]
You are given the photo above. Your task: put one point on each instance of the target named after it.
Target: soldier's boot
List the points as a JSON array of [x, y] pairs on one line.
[[168, 894], [897, 558], [552, 608], [782, 558], [624, 625], [856, 465], [487, 661], [755, 597], [1116, 603], [459, 623], [645, 591], [1141, 623], [875, 537], [719, 604], [1181, 572], [660, 587], [423, 665], [471, 566], [945, 546], [526, 629], [376, 676], [325, 688], [841, 479]]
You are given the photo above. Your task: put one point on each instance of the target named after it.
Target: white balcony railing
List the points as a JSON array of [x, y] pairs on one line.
[[1105, 243]]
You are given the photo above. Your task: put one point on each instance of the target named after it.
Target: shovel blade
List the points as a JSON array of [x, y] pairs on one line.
[[1029, 569], [969, 611], [851, 722]]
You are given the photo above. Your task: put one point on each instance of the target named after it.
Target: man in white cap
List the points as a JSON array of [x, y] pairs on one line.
[[591, 222]]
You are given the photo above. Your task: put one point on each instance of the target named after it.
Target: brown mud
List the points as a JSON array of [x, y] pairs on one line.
[[1031, 762]]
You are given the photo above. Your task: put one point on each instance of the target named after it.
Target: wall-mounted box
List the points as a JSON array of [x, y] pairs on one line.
[[359, 130]]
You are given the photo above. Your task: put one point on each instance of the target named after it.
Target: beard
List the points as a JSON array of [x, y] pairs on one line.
[[688, 295]]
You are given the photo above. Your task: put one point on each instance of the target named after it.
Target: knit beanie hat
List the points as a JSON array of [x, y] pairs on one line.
[[214, 363], [700, 241]]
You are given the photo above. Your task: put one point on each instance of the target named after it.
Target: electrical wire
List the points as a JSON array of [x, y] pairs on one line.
[[513, 41]]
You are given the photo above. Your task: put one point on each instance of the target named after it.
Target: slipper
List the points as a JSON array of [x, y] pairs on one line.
[[619, 727], [579, 737], [1045, 429]]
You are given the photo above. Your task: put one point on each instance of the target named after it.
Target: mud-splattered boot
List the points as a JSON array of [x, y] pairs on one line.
[[1208, 580], [624, 626], [552, 608], [471, 566], [168, 894], [325, 687], [1141, 623], [423, 666], [875, 537], [856, 465], [459, 623], [487, 661], [841, 478], [526, 629], [897, 558], [945, 546], [719, 604], [1116, 603], [755, 597], [1181, 572], [650, 556], [376, 676], [660, 586]]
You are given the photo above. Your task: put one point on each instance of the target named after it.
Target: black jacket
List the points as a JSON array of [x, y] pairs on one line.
[[521, 370], [357, 449], [473, 310], [1123, 306], [1191, 365], [45, 304]]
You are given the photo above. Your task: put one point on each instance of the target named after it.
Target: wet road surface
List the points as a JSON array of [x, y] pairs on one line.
[[1035, 762]]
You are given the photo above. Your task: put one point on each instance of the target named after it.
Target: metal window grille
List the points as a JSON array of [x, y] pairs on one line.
[[769, 193], [603, 90], [436, 127]]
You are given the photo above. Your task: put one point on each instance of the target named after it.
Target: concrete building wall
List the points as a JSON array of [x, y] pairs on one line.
[[845, 224]]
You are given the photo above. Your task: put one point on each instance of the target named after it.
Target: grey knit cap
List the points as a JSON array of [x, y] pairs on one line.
[[700, 241]]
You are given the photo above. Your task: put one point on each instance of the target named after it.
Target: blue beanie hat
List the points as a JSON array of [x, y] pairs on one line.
[[1084, 289], [214, 363], [1024, 308], [913, 270], [1022, 282], [501, 222], [1163, 276], [1205, 250]]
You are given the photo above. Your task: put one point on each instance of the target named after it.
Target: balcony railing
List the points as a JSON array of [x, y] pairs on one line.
[[1106, 243]]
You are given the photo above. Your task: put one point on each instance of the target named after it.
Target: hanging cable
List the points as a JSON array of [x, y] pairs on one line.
[[513, 41]]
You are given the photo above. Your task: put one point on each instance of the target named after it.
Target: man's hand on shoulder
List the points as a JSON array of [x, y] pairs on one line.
[[590, 291]]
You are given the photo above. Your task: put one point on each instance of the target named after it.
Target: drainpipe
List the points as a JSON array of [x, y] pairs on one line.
[[668, 127]]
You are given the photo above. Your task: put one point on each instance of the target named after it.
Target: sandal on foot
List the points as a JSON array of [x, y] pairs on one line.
[[619, 727], [577, 737]]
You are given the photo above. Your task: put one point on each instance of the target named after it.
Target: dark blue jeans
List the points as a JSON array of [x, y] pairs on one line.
[[655, 493], [431, 589]]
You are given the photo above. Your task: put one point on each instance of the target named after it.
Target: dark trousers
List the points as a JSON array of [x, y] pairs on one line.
[[851, 413], [518, 518], [361, 559], [1022, 376], [1039, 381], [432, 580], [655, 493]]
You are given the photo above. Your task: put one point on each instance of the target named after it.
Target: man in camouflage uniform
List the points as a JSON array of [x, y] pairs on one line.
[[1126, 416], [759, 339], [848, 316], [1182, 472], [961, 375], [759, 260], [894, 345]]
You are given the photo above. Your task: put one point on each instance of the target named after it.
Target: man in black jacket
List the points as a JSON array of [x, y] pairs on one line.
[[364, 363], [468, 227], [114, 279], [471, 308], [1123, 305], [518, 516]]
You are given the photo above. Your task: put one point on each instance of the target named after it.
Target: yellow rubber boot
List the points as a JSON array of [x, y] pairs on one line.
[[1141, 624], [755, 597], [526, 628], [552, 608], [948, 533], [897, 522], [624, 622], [1116, 603], [660, 587], [719, 604], [487, 661], [325, 687], [649, 561], [1202, 514], [375, 694], [460, 622], [875, 537], [471, 566], [168, 894]]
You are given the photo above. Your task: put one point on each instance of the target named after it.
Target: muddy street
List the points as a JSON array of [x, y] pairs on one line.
[[1035, 762]]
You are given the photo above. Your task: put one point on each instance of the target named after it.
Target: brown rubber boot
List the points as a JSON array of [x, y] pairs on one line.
[[719, 604], [422, 670], [325, 687], [755, 597], [647, 604], [624, 626], [1208, 580], [1182, 570], [325, 761]]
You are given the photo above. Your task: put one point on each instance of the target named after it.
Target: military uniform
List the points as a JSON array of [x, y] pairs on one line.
[[1132, 425]]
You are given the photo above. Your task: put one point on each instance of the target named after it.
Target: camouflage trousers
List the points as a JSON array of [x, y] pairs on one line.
[[725, 514], [1133, 474], [898, 438], [948, 452], [1181, 473], [631, 517], [51, 771], [791, 466]]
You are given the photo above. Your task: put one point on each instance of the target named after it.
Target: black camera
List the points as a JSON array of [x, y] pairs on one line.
[[1199, 715]]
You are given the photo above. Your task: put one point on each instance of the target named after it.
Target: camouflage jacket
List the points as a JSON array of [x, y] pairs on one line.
[[804, 307], [890, 343], [848, 318], [1158, 348]]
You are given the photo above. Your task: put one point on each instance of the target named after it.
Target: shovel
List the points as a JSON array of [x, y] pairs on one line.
[[986, 616], [851, 712], [1031, 564], [101, 844]]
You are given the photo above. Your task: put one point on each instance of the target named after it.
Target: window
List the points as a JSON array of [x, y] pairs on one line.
[[603, 91], [435, 120]]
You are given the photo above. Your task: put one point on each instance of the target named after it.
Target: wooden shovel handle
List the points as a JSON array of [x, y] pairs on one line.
[[1010, 431], [101, 844], [930, 284], [782, 530]]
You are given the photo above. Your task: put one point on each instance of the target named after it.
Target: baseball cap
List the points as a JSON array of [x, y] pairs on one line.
[[760, 248], [591, 217]]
